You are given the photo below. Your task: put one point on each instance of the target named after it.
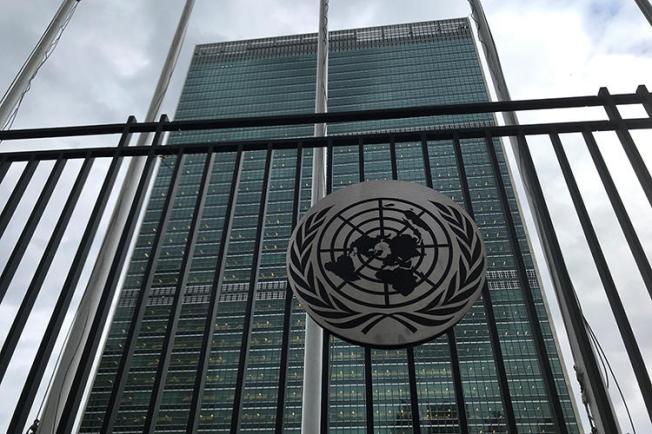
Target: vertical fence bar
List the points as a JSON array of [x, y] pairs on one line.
[[129, 346], [392, 153], [17, 194], [368, 363], [18, 325], [412, 375], [497, 351], [30, 226], [326, 343], [329, 166], [425, 155], [452, 344], [216, 289], [325, 381], [53, 329], [621, 213], [4, 167], [361, 159], [177, 302], [89, 352], [287, 312], [251, 296], [457, 382], [634, 156], [557, 414], [585, 360], [633, 351], [645, 96], [369, 393], [414, 397]]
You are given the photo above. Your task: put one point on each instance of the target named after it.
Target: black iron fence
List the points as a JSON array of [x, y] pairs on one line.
[[569, 303]]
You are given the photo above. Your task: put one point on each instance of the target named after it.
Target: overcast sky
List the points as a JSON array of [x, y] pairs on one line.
[[108, 60]]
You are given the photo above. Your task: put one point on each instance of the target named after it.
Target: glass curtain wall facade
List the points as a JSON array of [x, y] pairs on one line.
[[392, 66]]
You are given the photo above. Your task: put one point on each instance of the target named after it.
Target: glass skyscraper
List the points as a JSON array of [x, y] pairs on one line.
[[392, 66]]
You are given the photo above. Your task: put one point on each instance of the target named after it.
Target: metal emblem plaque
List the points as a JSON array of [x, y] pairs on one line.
[[386, 263]]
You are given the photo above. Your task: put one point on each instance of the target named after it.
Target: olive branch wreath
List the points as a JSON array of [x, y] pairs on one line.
[[468, 278]]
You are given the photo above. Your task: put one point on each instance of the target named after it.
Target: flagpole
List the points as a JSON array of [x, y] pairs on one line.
[[593, 386], [88, 305], [646, 9], [23, 79], [314, 335]]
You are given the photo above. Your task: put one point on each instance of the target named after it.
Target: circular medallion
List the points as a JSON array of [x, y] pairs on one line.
[[386, 263]]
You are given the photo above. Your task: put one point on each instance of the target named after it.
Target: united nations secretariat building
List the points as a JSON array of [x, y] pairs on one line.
[[223, 344]]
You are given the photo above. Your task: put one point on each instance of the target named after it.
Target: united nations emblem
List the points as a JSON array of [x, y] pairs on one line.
[[386, 263]]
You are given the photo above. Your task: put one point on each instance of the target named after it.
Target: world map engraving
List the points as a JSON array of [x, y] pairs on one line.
[[386, 263], [397, 253]]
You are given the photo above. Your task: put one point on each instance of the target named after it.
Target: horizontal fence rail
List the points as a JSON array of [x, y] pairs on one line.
[[641, 97], [313, 142], [28, 167]]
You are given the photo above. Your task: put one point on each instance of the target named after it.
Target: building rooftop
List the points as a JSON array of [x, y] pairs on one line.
[[340, 39]]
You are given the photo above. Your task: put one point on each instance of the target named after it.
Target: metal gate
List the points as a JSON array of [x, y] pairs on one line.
[[408, 155]]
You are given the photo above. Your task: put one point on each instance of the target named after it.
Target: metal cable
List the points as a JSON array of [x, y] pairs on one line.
[[602, 355], [34, 427]]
